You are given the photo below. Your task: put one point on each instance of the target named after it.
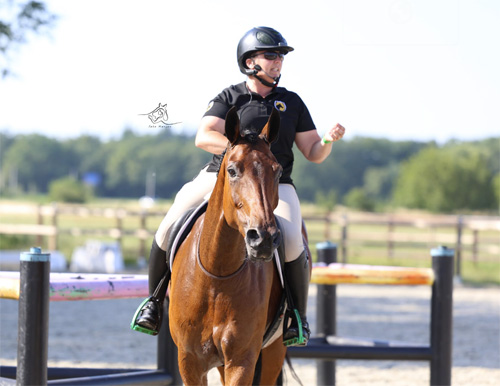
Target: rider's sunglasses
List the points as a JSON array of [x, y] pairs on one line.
[[272, 55]]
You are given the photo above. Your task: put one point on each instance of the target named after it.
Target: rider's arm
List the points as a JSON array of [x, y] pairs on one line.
[[313, 148], [309, 143], [210, 136]]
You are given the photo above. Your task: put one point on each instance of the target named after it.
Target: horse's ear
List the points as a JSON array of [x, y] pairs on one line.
[[232, 127], [272, 128]]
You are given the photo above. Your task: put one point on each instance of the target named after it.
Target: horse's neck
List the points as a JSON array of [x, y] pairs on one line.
[[222, 248]]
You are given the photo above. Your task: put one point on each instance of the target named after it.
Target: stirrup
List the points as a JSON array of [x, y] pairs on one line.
[[136, 327], [301, 339]]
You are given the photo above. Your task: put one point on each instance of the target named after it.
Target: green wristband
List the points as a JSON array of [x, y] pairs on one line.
[[325, 141]]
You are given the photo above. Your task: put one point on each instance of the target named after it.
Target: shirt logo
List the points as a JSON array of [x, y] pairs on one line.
[[209, 106], [280, 106]]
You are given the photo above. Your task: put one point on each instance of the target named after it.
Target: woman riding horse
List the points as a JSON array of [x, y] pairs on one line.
[[260, 56], [225, 292]]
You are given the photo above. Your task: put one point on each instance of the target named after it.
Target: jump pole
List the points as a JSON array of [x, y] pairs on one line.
[[33, 326]]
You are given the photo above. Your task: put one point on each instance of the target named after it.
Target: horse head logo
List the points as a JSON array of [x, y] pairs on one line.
[[158, 115]]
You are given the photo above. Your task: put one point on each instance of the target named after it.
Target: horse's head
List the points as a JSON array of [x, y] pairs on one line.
[[252, 176]]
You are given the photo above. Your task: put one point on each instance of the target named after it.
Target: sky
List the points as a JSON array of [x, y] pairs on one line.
[[425, 70]]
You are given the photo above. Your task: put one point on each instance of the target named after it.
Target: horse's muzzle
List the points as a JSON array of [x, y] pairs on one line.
[[261, 244]]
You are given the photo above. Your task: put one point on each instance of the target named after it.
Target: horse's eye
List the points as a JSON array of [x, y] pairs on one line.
[[231, 171]]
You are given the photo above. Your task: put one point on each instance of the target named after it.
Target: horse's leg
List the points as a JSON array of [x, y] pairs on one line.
[[240, 371], [221, 372], [273, 357], [190, 369]]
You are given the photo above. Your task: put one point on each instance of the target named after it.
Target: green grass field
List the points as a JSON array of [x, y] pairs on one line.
[[485, 270]]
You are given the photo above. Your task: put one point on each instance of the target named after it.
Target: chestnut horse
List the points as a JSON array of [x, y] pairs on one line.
[[225, 289]]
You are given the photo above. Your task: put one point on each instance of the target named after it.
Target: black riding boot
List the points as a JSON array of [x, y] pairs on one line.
[[297, 277], [148, 317]]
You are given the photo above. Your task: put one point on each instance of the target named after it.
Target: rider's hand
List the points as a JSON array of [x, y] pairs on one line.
[[334, 134]]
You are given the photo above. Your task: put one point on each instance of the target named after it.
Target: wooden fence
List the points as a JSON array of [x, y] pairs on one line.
[[47, 223], [458, 231], [394, 230]]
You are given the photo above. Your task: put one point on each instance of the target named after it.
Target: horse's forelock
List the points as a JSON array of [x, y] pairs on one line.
[[250, 135]]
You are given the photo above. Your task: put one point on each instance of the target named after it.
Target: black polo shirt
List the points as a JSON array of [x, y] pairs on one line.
[[254, 112]]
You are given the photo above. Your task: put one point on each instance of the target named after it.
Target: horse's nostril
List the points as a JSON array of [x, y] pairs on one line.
[[253, 235]]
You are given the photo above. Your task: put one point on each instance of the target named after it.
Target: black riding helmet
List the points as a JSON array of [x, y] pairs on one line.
[[258, 39]]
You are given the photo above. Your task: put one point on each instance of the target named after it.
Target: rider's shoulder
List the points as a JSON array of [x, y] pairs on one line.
[[231, 92], [289, 95], [239, 88]]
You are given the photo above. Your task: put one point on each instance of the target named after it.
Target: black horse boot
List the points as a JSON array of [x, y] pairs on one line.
[[297, 277], [148, 316]]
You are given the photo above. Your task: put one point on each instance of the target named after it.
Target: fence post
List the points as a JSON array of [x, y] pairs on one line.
[[328, 223], [326, 313], [142, 240], [442, 316], [460, 226], [343, 238], [119, 215], [53, 240], [33, 323], [390, 242], [39, 221], [475, 245]]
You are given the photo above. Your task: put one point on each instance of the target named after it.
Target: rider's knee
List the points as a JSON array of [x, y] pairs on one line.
[[292, 255]]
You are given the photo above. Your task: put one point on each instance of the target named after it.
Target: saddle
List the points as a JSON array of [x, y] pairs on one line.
[[178, 233], [181, 228]]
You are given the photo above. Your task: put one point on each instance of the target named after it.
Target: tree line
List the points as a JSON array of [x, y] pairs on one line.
[[365, 173]]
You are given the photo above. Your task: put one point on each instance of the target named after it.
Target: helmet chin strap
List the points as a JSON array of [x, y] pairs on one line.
[[269, 84], [255, 70], [263, 81]]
